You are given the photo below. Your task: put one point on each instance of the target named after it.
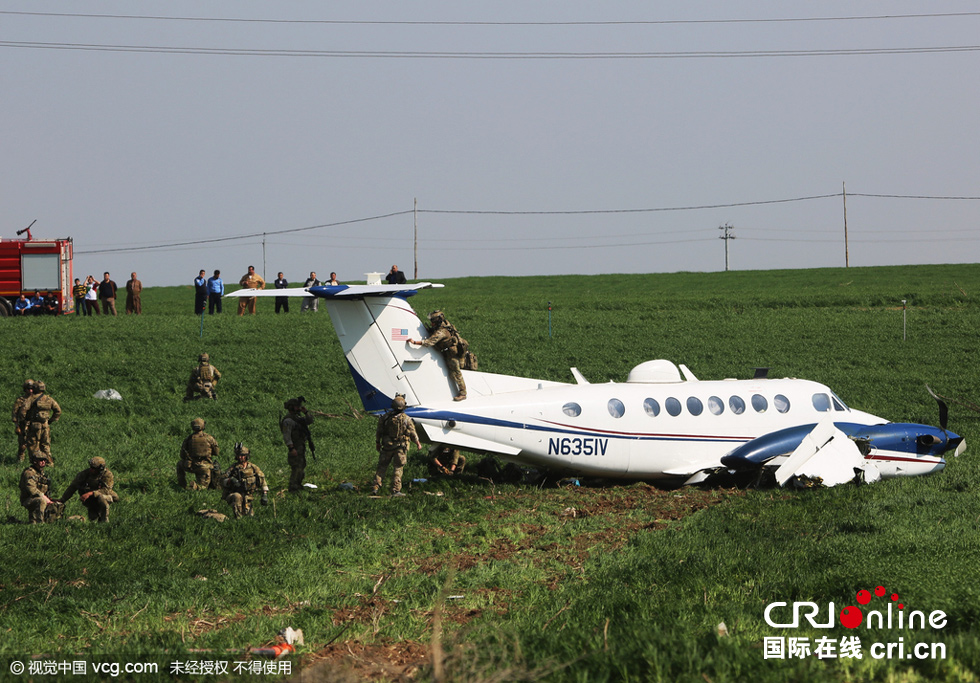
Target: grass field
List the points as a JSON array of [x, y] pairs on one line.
[[508, 582]]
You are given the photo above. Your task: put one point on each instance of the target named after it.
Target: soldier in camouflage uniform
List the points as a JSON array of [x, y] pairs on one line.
[[446, 341], [20, 426], [94, 487], [242, 480], [198, 454], [204, 379], [295, 433], [395, 433], [447, 461], [39, 412], [34, 489]]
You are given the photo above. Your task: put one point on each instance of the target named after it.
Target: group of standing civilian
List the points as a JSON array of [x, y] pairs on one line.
[[309, 302], [208, 292], [90, 294]]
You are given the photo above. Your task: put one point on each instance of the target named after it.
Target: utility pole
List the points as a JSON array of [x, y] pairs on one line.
[[847, 256], [726, 235], [416, 214]]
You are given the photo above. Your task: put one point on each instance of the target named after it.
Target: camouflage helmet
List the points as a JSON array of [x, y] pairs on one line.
[[293, 403], [38, 456], [40, 386], [197, 424], [398, 403], [28, 384], [436, 316], [204, 358], [96, 462], [241, 449]]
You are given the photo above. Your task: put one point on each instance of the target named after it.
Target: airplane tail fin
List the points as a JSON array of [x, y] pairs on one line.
[[374, 324]]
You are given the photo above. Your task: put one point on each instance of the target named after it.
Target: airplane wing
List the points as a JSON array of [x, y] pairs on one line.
[[466, 441], [828, 453], [338, 291]]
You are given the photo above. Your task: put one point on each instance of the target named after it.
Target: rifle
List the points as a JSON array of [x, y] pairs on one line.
[[304, 430]]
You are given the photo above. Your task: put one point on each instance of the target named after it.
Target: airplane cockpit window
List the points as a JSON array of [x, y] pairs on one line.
[[716, 405], [736, 404], [838, 404], [572, 409], [616, 407], [759, 403], [781, 403], [651, 407], [673, 406], [821, 402], [694, 405]]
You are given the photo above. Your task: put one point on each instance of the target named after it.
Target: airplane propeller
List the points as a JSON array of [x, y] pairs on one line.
[[943, 408]]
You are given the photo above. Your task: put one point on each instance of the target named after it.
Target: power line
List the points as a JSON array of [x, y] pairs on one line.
[[613, 211], [382, 22], [408, 54], [268, 233], [252, 235]]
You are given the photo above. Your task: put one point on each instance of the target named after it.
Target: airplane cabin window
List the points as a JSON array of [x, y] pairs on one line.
[[781, 403], [616, 407], [759, 403], [716, 405], [736, 404], [572, 409], [673, 406], [694, 405], [651, 407], [821, 402]]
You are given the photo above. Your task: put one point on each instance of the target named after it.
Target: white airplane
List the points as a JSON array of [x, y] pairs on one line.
[[661, 424]]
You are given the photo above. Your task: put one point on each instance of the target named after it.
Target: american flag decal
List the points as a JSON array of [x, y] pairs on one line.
[[399, 334]]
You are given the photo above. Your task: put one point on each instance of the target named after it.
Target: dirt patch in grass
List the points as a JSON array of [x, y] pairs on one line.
[[357, 661], [618, 512], [613, 515]]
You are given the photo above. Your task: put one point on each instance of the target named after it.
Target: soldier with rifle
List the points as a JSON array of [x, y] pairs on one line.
[[295, 428], [395, 433], [199, 454], [39, 412], [20, 424], [242, 480], [94, 487], [454, 349]]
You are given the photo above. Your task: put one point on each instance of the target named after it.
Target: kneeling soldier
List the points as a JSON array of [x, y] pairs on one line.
[[204, 380], [241, 480], [34, 489], [446, 461], [94, 487], [197, 455]]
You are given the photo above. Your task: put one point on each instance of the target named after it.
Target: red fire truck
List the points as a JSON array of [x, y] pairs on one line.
[[33, 264]]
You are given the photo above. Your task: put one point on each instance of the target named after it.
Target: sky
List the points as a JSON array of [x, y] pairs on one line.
[[490, 139]]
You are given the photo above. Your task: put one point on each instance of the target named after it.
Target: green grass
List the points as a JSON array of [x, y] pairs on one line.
[[620, 583]]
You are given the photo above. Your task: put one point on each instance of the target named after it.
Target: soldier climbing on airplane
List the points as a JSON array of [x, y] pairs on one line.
[[454, 349]]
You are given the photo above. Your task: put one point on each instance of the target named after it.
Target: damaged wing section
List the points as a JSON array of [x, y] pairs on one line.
[[828, 456]]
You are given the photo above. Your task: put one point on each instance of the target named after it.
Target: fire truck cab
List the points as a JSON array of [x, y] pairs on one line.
[[29, 265]]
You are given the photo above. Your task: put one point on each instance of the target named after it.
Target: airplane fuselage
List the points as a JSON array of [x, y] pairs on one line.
[[649, 431]]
